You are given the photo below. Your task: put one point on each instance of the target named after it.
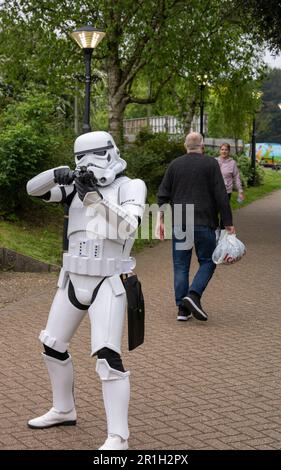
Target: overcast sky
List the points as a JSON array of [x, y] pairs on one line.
[[271, 61]]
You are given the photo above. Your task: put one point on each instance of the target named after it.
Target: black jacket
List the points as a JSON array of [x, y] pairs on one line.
[[196, 179]]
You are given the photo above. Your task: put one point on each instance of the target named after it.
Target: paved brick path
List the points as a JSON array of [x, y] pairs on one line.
[[195, 385]]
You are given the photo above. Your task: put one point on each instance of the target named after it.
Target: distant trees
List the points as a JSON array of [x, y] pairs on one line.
[[263, 19], [160, 41], [232, 108], [155, 53], [269, 117]]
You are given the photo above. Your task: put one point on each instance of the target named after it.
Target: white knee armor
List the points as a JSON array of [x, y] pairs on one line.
[[64, 319]]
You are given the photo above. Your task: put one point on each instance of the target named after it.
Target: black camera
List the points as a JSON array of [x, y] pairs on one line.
[[85, 176]]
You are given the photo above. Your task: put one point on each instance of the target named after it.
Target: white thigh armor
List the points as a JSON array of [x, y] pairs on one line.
[[64, 319], [107, 315]]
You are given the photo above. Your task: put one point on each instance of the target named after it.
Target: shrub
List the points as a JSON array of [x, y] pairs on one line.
[[149, 157], [246, 172], [30, 140], [260, 175]]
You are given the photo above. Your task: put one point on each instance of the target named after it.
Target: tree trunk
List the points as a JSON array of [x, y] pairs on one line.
[[117, 101], [115, 118]]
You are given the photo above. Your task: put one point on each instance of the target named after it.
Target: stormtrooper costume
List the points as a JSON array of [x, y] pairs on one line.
[[104, 214]]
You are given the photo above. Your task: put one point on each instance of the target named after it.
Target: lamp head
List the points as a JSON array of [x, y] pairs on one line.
[[88, 37]]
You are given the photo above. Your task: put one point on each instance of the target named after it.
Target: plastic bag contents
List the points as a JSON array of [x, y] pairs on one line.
[[228, 250]]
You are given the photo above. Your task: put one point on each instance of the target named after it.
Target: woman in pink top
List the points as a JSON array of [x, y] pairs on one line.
[[230, 172]]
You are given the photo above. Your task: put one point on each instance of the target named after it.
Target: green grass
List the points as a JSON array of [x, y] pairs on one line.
[[42, 238], [272, 182], [43, 244]]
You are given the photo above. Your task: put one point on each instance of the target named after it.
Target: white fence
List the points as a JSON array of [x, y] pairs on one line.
[[169, 124], [216, 143], [172, 126]]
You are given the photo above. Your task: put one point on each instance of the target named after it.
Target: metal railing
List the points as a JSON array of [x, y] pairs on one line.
[[172, 126], [169, 124]]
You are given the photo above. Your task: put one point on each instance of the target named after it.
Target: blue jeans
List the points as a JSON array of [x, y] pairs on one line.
[[205, 243]]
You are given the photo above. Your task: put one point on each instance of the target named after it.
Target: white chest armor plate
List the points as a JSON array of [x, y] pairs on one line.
[[95, 247]]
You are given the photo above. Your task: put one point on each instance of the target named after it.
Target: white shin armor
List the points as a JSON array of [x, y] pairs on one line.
[[61, 377], [116, 396]]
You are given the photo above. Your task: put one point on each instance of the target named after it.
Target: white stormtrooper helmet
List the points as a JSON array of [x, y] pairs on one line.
[[98, 152]]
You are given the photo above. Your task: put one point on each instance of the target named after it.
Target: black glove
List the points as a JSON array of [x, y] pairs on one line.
[[63, 176], [83, 187]]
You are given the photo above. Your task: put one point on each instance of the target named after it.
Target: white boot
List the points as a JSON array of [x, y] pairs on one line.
[[116, 396], [53, 418], [114, 442], [63, 410]]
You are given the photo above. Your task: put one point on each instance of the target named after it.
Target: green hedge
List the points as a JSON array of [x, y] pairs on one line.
[[246, 172], [31, 139], [149, 157]]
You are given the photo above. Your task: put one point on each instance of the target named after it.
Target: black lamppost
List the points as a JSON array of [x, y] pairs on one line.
[[202, 83], [253, 151], [273, 162], [202, 87], [256, 96], [87, 38]]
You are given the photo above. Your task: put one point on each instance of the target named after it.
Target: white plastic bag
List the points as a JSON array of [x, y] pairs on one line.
[[228, 250]]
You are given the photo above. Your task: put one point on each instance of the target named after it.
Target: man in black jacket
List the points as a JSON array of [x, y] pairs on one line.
[[194, 181]]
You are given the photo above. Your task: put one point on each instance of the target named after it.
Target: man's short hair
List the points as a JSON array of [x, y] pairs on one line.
[[193, 141]]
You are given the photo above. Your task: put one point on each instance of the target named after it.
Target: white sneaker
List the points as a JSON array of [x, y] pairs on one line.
[[53, 418], [114, 442]]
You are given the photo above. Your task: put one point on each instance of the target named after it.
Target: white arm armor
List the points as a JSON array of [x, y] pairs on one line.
[[132, 196], [44, 182]]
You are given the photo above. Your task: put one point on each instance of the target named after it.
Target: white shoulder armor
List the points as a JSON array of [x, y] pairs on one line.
[[132, 196]]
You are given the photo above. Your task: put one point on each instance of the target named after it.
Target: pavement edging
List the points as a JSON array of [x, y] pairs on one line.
[[12, 261]]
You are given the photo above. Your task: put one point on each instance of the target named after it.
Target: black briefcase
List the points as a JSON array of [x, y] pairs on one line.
[[135, 308]]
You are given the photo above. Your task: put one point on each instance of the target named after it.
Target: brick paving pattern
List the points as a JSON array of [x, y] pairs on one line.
[[195, 385]]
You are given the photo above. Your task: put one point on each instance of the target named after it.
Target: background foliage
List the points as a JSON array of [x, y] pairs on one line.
[[32, 137], [151, 61]]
